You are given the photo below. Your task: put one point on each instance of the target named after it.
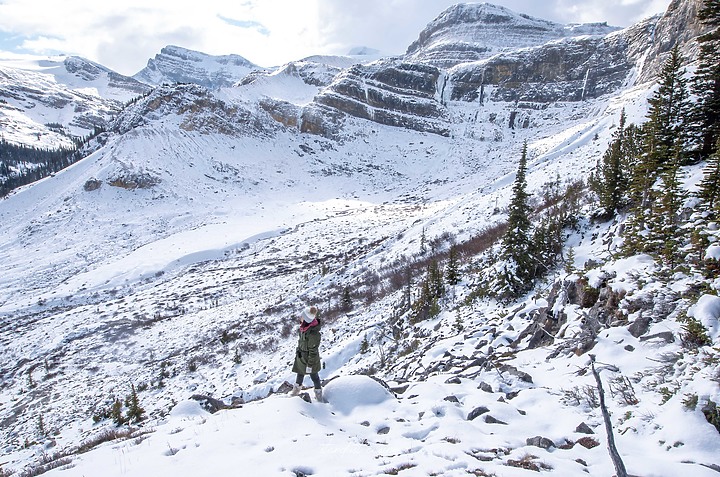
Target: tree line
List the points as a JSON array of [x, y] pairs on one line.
[[21, 165]]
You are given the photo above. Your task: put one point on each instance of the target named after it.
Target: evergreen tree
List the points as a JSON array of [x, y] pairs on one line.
[[706, 81], [669, 110], [134, 411], [516, 247], [432, 289], [709, 191], [347, 303], [435, 277], [665, 237], [116, 413], [612, 173], [452, 274], [609, 173]]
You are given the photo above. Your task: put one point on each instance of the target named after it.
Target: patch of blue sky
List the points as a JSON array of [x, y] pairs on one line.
[[12, 42], [248, 24]]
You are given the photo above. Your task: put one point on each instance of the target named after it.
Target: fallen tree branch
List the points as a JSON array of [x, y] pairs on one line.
[[614, 455]]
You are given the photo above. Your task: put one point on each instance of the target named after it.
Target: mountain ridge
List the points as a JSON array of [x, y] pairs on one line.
[[173, 260]]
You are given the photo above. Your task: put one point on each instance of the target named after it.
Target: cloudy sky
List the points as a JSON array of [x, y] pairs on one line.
[[123, 35]]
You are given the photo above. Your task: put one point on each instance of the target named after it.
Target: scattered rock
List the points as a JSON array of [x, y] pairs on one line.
[[400, 389], [491, 420], [383, 430], [640, 326], [208, 403], [629, 348], [512, 395], [588, 442], [453, 380], [513, 371], [485, 387], [451, 398], [539, 441], [365, 423], [583, 428], [478, 411], [284, 388], [666, 336], [92, 184], [305, 397]]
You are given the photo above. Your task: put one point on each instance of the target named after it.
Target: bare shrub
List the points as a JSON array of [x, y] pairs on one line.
[[622, 388]]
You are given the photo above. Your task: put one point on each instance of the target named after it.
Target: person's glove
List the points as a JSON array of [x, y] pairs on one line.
[[308, 370]]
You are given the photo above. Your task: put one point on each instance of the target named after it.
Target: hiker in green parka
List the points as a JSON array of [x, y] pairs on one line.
[[307, 354]]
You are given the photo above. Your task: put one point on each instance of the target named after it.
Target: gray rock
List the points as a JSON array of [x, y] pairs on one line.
[[583, 428], [640, 326], [485, 387], [539, 441], [208, 403], [491, 420], [666, 336], [478, 411], [513, 371]]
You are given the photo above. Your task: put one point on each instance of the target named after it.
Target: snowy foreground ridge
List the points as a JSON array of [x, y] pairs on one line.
[[171, 263], [432, 430]]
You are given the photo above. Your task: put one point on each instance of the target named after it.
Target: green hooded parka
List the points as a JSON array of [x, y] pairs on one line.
[[307, 354]]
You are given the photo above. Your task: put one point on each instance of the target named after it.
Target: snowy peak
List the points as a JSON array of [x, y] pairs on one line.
[[179, 65], [475, 31], [46, 100]]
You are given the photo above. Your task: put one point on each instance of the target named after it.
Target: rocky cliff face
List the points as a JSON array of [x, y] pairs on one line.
[[472, 32], [90, 72], [572, 69], [43, 102], [193, 108], [390, 92], [679, 24], [179, 65], [482, 52]]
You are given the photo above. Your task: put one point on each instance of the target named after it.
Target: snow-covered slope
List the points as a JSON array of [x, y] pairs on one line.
[[179, 65], [43, 101], [174, 260]]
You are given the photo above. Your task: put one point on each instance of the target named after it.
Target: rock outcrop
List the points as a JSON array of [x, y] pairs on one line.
[[477, 31], [391, 92], [179, 65]]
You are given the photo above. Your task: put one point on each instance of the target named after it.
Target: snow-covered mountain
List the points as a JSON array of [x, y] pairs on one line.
[[173, 260], [476, 31], [46, 101], [179, 65]]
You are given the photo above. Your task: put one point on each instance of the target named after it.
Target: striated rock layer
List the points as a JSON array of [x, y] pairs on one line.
[[179, 65]]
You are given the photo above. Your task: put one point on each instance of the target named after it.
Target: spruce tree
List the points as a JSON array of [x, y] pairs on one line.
[[135, 413], [347, 303], [706, 81], [116, 413], [452, 274], [665, 235], [611, 177], [431, 291], [669, 110], [709, 191], [516, 247]]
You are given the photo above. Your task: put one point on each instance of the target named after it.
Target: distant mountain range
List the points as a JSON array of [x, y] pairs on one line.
[[216, 199]]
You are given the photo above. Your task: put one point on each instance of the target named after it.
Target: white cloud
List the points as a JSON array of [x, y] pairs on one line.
[[123, 35]]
